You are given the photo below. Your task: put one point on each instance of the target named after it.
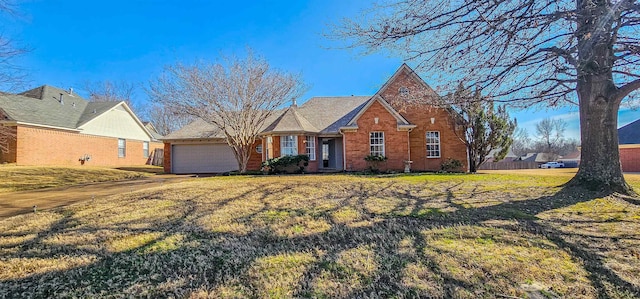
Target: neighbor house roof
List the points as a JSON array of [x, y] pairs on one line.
[[43, 106], [630, 133], [54, 107]]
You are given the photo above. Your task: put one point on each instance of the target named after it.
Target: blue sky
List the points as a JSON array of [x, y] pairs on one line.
[[76, 41]]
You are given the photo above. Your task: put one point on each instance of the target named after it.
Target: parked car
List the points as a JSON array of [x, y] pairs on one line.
[[552, 165]]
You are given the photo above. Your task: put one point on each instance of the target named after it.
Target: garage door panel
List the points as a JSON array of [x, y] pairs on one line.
[[202, 158]]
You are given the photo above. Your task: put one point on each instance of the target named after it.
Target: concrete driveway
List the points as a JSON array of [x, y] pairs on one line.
[[15, 203]]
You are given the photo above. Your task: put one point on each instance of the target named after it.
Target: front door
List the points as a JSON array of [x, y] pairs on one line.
[[331, 153]]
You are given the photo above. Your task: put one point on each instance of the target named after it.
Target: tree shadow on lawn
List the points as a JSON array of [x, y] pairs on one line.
[[351, 240]]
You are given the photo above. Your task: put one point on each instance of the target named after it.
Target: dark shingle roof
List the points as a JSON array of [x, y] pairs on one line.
[[291, 121], [43, 106], [629, 134], [328, 114], [198, 129]]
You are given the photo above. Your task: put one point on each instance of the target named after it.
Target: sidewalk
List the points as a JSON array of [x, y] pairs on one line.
[[15, 203]]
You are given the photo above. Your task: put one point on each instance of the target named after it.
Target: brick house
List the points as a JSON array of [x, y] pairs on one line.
[[629, 143], [51, 126], [337, 133]]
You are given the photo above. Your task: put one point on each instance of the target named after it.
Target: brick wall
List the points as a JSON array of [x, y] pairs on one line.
[[274, 149], [40, 146], [255, 160], [630, 158], [419, 113], [357, 142], [167, 157]]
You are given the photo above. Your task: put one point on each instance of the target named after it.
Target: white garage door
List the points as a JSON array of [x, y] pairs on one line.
[[202, 158]]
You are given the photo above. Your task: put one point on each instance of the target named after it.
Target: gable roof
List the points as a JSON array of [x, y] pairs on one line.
[[630, 133], [404, 68], [329, 114], [54, 107], [291, 121], [402, 122], [42, 106]]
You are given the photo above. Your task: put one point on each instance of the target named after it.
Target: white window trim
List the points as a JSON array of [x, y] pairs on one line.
[[382, 144], [310, 147], [124, 148], [439, 144], [294, 147], [145, 149]]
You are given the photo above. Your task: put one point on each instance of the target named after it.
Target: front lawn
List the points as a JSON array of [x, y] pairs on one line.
[[19, 178], [332, 236]]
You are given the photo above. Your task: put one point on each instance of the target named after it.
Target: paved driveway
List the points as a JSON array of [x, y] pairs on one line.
[[15, 203]]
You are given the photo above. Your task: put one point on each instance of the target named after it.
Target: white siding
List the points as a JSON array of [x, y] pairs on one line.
[[115, 123]]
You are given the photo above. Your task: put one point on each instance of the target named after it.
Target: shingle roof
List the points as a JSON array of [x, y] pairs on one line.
[[44, 105], [198, 129], [629, 134], [290, 121], [329, 114]]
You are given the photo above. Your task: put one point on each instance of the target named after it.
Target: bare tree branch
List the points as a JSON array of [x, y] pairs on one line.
[[237, 96]]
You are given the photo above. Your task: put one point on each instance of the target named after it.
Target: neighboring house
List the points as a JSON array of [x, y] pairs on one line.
[[572, 159], [629, 143], [57, 127], [337, 133]]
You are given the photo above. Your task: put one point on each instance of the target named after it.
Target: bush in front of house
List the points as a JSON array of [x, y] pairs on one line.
[[286, 164], [374, 162], [451, 165]]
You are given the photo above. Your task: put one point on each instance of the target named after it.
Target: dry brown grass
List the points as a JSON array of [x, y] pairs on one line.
[[19, 178], [331, 236]]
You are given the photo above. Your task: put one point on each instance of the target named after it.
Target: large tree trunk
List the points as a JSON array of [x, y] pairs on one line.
[[598, 99], [600, 166]]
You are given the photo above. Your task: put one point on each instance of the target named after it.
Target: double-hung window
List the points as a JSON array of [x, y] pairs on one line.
[[288, 145], [311, 147], [433, 144], [376, 143], [122, 148], [145, 149]]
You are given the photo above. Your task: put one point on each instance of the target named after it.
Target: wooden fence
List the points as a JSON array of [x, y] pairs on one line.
[[508, 165], [156, 158]]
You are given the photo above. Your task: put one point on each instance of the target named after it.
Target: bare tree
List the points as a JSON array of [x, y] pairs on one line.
[[110, 91], [525, 52], [237, 97], [7, 135], [521, 142], [551, 134], [166, 120], [12, 76]]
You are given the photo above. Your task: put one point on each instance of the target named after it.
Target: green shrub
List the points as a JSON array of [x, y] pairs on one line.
[[374, 162], [286, 164], [451, 165]]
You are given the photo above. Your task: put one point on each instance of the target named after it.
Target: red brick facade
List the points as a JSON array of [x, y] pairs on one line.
[[273, 150], [357, 142], [421, 114], [630, 157], [404, 139], [43, 146]]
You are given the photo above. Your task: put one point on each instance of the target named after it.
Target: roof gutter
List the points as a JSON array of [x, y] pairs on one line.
[[15, 123]]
